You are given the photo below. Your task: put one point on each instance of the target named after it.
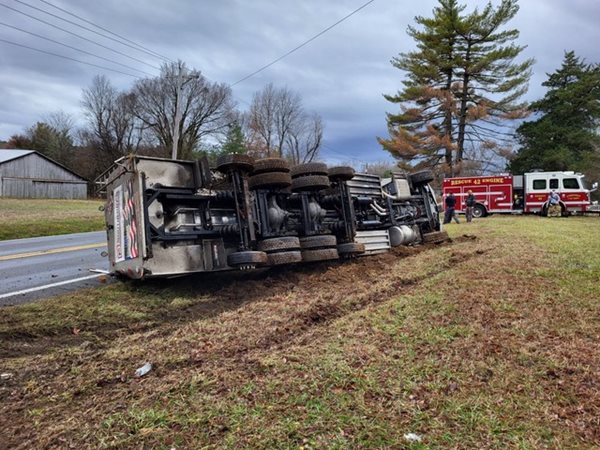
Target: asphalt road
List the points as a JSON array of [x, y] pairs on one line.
[[37, 268]]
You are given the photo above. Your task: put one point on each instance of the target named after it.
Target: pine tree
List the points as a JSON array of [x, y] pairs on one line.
[[235, 141], [565, 136], [461, 87]]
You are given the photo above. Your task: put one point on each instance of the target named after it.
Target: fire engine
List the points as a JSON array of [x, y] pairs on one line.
[[521, 194]]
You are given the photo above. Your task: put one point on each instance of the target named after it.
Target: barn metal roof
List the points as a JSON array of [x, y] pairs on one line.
[[10, 154], [7, 155]]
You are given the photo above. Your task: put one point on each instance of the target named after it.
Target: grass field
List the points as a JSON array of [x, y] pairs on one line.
[[490, 341], [23, 218]]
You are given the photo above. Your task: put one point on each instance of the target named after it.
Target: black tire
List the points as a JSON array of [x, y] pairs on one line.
[[280, 243], [248, 258], [323, 254], [314, 168], [276, 180], [281, 258], [435, 237], [341, 173], [351, 248], [270, 165], [228, 162], [422, 177], [310, 183], [320, 241], [479, 211]]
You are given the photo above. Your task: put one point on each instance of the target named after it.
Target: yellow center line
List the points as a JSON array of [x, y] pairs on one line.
[[52, 251]]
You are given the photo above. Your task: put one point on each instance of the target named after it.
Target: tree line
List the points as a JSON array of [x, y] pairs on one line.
[[180, 104], [460, 108]]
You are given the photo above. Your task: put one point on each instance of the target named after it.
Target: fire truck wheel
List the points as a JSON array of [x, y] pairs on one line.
[[420, 178], [341, 173], [280, 243], [248, 258], [350, 249], [228, 162], [310, 183], [278, 259], [479, 211], [267, 180], [315, 168], [323, 254], [321, 241], [270, 165]]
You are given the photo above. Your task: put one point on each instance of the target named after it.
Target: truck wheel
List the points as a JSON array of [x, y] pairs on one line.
[[248, 258], [278, 259], [280, 243], [315, 168], [323, 254], [231, 161], [320, 241], [310, 183], [479, 211], [270, 165], [276, 180], [435, 237], [422, 177], [350, 249], [341, 173]]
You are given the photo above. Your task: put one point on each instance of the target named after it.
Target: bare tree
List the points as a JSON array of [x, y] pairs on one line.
[[203, 108], [304, 140], [279, 126], [112, 124], [61, 122], [381, 168]]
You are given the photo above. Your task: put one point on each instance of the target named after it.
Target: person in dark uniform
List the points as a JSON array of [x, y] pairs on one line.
[[449, 212], [469, 205]]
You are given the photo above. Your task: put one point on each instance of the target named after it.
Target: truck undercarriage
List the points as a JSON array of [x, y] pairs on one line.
[[173, 217]]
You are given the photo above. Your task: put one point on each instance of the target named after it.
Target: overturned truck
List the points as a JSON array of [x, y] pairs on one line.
[[173, 217]]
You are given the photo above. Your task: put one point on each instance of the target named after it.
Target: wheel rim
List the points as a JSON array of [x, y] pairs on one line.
[[477, 212]]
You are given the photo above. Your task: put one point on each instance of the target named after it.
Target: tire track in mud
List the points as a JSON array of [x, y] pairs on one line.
[[326, 311]]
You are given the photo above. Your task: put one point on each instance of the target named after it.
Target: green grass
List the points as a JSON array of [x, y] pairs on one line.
[[485, 343], [23, 218]]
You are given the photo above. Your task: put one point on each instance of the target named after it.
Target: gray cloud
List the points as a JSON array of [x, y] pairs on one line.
[[341, 75]]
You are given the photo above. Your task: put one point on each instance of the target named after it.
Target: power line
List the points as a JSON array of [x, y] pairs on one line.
[[68, 57], [146, 50], [80, 26], [79, 36], [75, 48], [304, 43]]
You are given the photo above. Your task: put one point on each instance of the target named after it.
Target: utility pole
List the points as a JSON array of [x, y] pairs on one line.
[[181, 80]]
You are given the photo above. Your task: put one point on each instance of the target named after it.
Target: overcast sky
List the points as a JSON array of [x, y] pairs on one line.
[[341, 75]]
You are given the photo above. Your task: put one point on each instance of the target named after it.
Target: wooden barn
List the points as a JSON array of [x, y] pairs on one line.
[[29, 174]]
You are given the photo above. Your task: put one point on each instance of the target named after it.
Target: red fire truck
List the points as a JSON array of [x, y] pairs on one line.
[[518, 194]]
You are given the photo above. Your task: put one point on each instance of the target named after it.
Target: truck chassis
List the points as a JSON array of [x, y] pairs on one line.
[[173, 217]]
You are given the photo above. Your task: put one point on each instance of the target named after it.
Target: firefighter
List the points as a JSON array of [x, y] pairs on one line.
[[469, 205], [449, 213], [554, 204]]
